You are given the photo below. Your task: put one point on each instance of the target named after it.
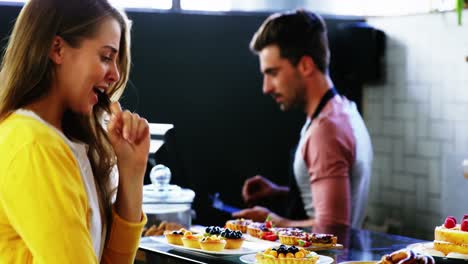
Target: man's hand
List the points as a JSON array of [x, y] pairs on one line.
[[259, 187], [259, 214]]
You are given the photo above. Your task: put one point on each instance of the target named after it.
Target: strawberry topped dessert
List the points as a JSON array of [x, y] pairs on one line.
[[452, 237], [263, 230]]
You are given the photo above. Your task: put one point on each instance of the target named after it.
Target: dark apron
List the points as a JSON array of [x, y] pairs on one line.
[[295, 207]]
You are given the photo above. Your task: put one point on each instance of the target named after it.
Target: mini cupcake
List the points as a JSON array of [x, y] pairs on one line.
[[191, 240], [234, 239], [175, 237], [212, 243]]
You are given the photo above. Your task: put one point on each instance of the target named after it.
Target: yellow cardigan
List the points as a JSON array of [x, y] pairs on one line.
[[43, 202]]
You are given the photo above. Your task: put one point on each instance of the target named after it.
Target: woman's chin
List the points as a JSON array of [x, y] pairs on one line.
[[86, 111]]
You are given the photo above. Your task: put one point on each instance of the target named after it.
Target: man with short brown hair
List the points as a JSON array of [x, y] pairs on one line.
[[332, 163]]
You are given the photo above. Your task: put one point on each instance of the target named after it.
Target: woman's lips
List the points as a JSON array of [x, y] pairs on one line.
[[103, 100]]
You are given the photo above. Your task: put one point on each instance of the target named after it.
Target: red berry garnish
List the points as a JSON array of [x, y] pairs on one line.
[[453, 217], [464, 226], [267, 233], [450, 222], [272, 237], [465, 216]]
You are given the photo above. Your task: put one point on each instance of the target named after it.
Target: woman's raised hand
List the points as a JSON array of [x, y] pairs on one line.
[[130, 138]]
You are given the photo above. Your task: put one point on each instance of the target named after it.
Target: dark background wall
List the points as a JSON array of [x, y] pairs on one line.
[[195, 71]]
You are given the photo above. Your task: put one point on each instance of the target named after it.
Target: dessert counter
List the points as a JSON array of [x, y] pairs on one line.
[[357, 245]]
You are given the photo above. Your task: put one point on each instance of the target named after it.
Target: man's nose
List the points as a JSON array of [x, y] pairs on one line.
[[267, 87]]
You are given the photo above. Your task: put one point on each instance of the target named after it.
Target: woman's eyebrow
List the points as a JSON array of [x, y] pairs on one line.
[[114, 50]]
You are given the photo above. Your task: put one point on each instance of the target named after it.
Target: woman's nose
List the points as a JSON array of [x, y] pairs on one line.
[[113, 75]]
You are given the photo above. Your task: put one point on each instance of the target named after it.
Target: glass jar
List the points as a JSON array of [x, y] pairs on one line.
[[166, 202]]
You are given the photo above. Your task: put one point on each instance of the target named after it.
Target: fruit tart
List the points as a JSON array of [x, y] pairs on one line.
[[213, 230], [212, 243], [263, 230], [234, 239], [191, 240], [286, 255], [238, 224], [175, 237], [293, 237], [406, 256], [322, 240]]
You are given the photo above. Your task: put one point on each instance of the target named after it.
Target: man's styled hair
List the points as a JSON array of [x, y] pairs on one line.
[[296, 33]]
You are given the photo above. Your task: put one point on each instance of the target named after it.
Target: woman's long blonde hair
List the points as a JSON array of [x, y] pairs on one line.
[[26, 73]]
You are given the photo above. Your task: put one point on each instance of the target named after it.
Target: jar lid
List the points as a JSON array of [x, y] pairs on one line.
[[169, 194]]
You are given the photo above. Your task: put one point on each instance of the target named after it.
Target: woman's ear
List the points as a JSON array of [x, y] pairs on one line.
[[307, 65], [56, 52]]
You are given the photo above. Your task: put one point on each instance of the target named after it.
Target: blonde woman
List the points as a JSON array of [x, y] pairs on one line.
[[63, 61]]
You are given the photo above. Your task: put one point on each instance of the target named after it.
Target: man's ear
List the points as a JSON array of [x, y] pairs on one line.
[[306, 65], [57, 50]]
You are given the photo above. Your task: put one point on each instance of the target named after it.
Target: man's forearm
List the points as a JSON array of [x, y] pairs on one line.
[[282, 191], [297, 223]]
